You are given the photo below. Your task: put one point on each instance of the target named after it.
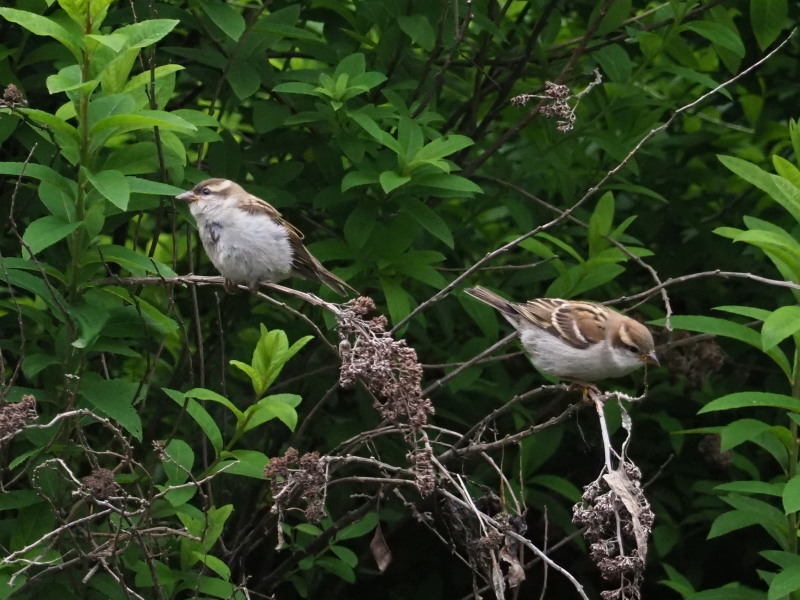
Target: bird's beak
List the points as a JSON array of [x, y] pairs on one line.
[[650, 359], [187, 197]]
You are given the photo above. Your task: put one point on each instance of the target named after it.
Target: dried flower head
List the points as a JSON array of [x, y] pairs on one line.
[[14, 416], [555, 101], [424, 473], [295, 477], [388, 367], [12, 96], [618, 522], [101, 484]]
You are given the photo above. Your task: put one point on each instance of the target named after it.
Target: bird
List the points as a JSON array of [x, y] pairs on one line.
[[578, 341], [248, 240]]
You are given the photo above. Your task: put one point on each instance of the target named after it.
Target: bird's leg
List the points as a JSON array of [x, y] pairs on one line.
[[589, 391], [230, 286]]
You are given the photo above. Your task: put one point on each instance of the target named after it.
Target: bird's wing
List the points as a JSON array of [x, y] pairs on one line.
[[303, 262], [579, 324]]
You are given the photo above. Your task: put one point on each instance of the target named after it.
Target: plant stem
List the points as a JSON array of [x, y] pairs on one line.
[[793, 453]]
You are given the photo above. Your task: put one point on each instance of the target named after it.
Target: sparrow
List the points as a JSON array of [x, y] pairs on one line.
[[578, 341], [249, 241]]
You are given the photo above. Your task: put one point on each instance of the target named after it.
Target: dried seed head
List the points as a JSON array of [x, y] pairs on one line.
[[388, 367], [294, 478], [101, 484], [600, 509], [15, 415]]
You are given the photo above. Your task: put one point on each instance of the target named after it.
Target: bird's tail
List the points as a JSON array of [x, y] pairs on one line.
[[333, 282], [494, 300]]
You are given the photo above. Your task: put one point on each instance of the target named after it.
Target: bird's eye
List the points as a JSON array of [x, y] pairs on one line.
[[632, 349], [205, 191]]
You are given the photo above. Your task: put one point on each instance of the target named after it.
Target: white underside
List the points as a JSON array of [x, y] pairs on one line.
[[553, 357], [249, 248]]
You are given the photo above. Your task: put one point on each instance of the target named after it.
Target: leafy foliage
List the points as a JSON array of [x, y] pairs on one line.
[[422, 147]]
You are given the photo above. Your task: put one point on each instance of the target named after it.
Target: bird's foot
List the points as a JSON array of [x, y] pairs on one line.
[[230, 287], [589, 391]]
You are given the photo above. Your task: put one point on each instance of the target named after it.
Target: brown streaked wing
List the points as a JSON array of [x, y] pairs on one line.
[[576, 323], [539, 311], [254, 205], [579, 324]]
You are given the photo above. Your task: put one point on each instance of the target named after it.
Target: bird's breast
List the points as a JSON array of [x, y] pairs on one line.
[[213, 230]]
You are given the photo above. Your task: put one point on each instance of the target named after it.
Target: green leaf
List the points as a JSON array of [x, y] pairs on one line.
[[146, 33], [115, 399], [351, 65], [441, 147], [346, 555], [360, 528], [39, 172], [733, 521], [200, 415], [85, 11], [733, 591], [615, 62], [791, 495], [390, 181], [429, 219], [60, 203], [142, 80], [92, 318], [255, 377], [359, 224], [204, 394], [448, 181], [46, 231], [419, 29], [14, 499], [113, 41], [784, 583], [39, 25], [270, 355], [560, 485], [278, 406], [128, 259], [156, 188], [53, 122], [358, 178], [768, 18], [36, 363], [740, 431], [752, 399], [782, 323], [752, 487], [718, 34], [600, 224], [69, 78], [762, 180], [249, 463], [244, 80], [296, 87], [224, 16], [113, 185], [397, 299], [336, 567], [178, 462], [144, 119], [759, 314]]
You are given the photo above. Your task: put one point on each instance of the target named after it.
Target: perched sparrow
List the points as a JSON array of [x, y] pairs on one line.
[[247, 239], [574, 340]]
